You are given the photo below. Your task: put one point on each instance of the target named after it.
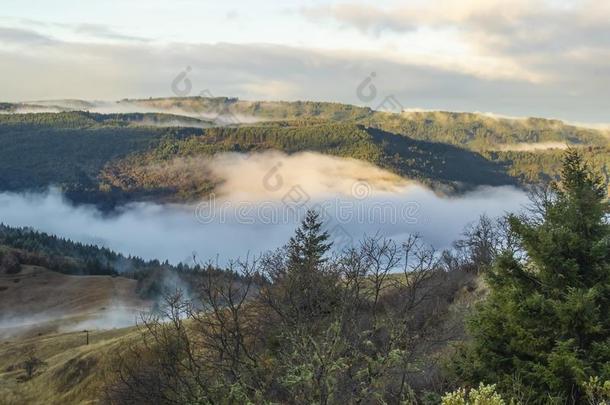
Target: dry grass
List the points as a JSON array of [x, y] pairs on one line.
[[37, 306], [74, 373], [39, 301]]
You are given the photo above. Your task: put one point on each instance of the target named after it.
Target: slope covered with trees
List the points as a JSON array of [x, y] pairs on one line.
[[443, 167], [28, 247], [104, 158]]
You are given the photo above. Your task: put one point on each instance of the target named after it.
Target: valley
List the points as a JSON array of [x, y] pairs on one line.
[[148, 250]]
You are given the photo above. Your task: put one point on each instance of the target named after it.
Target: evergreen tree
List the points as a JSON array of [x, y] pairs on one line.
[[546, 321], [308, 288], [306, 249]]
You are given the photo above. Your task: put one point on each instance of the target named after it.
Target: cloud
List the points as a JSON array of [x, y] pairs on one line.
[[104, 32], [356, 199], [23, 37], [55, 68], [540, 41]]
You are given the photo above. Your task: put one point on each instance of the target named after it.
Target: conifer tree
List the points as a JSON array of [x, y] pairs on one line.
[[309, 285], [306, 249], [546, 321]]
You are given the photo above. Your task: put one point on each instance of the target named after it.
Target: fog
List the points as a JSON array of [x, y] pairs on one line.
[[116, 316], [129, 106], [532, 147], [258, 205]]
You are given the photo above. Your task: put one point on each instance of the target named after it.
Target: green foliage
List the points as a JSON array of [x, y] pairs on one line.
[[306, 249], [546, 318], [483, 395], [597, 391]]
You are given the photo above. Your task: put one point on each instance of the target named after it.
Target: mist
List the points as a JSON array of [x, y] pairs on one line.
[[260, 201], [532, 147], [129, 106]]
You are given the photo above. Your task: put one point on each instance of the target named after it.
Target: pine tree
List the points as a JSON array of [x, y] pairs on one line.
[[309, 287], [306, 249], [546, 321]]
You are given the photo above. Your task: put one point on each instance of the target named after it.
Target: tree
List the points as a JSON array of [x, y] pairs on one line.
[[9, 263], [484, 395], [546, 318], [306, 249], [305, 285]]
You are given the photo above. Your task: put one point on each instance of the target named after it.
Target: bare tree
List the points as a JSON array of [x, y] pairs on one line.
[[354, 327]]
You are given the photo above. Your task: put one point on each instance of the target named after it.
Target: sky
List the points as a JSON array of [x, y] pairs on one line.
[[515, 58]]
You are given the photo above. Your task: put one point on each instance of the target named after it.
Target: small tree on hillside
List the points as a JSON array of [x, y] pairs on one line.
[[305, 286], [546, 319], [31, 363]]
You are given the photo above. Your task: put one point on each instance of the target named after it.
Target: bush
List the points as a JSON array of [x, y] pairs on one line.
[[484, 395], [9, 263]]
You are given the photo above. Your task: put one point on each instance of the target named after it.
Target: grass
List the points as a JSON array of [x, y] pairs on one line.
[[38, 300], [74, 372]]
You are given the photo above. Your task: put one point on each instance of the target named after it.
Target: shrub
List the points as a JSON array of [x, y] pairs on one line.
[[484, 395]]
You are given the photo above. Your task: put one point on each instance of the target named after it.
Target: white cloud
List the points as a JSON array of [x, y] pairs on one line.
[[514, 58]]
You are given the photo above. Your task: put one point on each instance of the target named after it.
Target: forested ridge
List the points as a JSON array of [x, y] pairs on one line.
[[29, 247], [102, 158], [440, 166]]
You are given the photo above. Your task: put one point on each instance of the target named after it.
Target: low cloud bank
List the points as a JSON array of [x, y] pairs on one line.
[[128, 107], [231, 228]]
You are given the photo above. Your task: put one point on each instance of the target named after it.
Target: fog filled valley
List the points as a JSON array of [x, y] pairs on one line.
[[215, 250], [358, 198]]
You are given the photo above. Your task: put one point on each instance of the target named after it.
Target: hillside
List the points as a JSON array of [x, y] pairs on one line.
[[105, 159], [24, 248], [73, 372], [41, 301], [443, 167]]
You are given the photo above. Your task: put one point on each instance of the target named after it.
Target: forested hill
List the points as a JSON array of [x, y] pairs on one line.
[[27, 247], [69, 257], [469, 129], [103, 158], [440, 166]]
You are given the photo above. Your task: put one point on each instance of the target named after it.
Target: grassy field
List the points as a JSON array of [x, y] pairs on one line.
[[73, 372], [46, 315]]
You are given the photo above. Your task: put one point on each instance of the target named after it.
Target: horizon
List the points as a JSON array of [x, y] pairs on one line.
[[600, 126], [514, 59]]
